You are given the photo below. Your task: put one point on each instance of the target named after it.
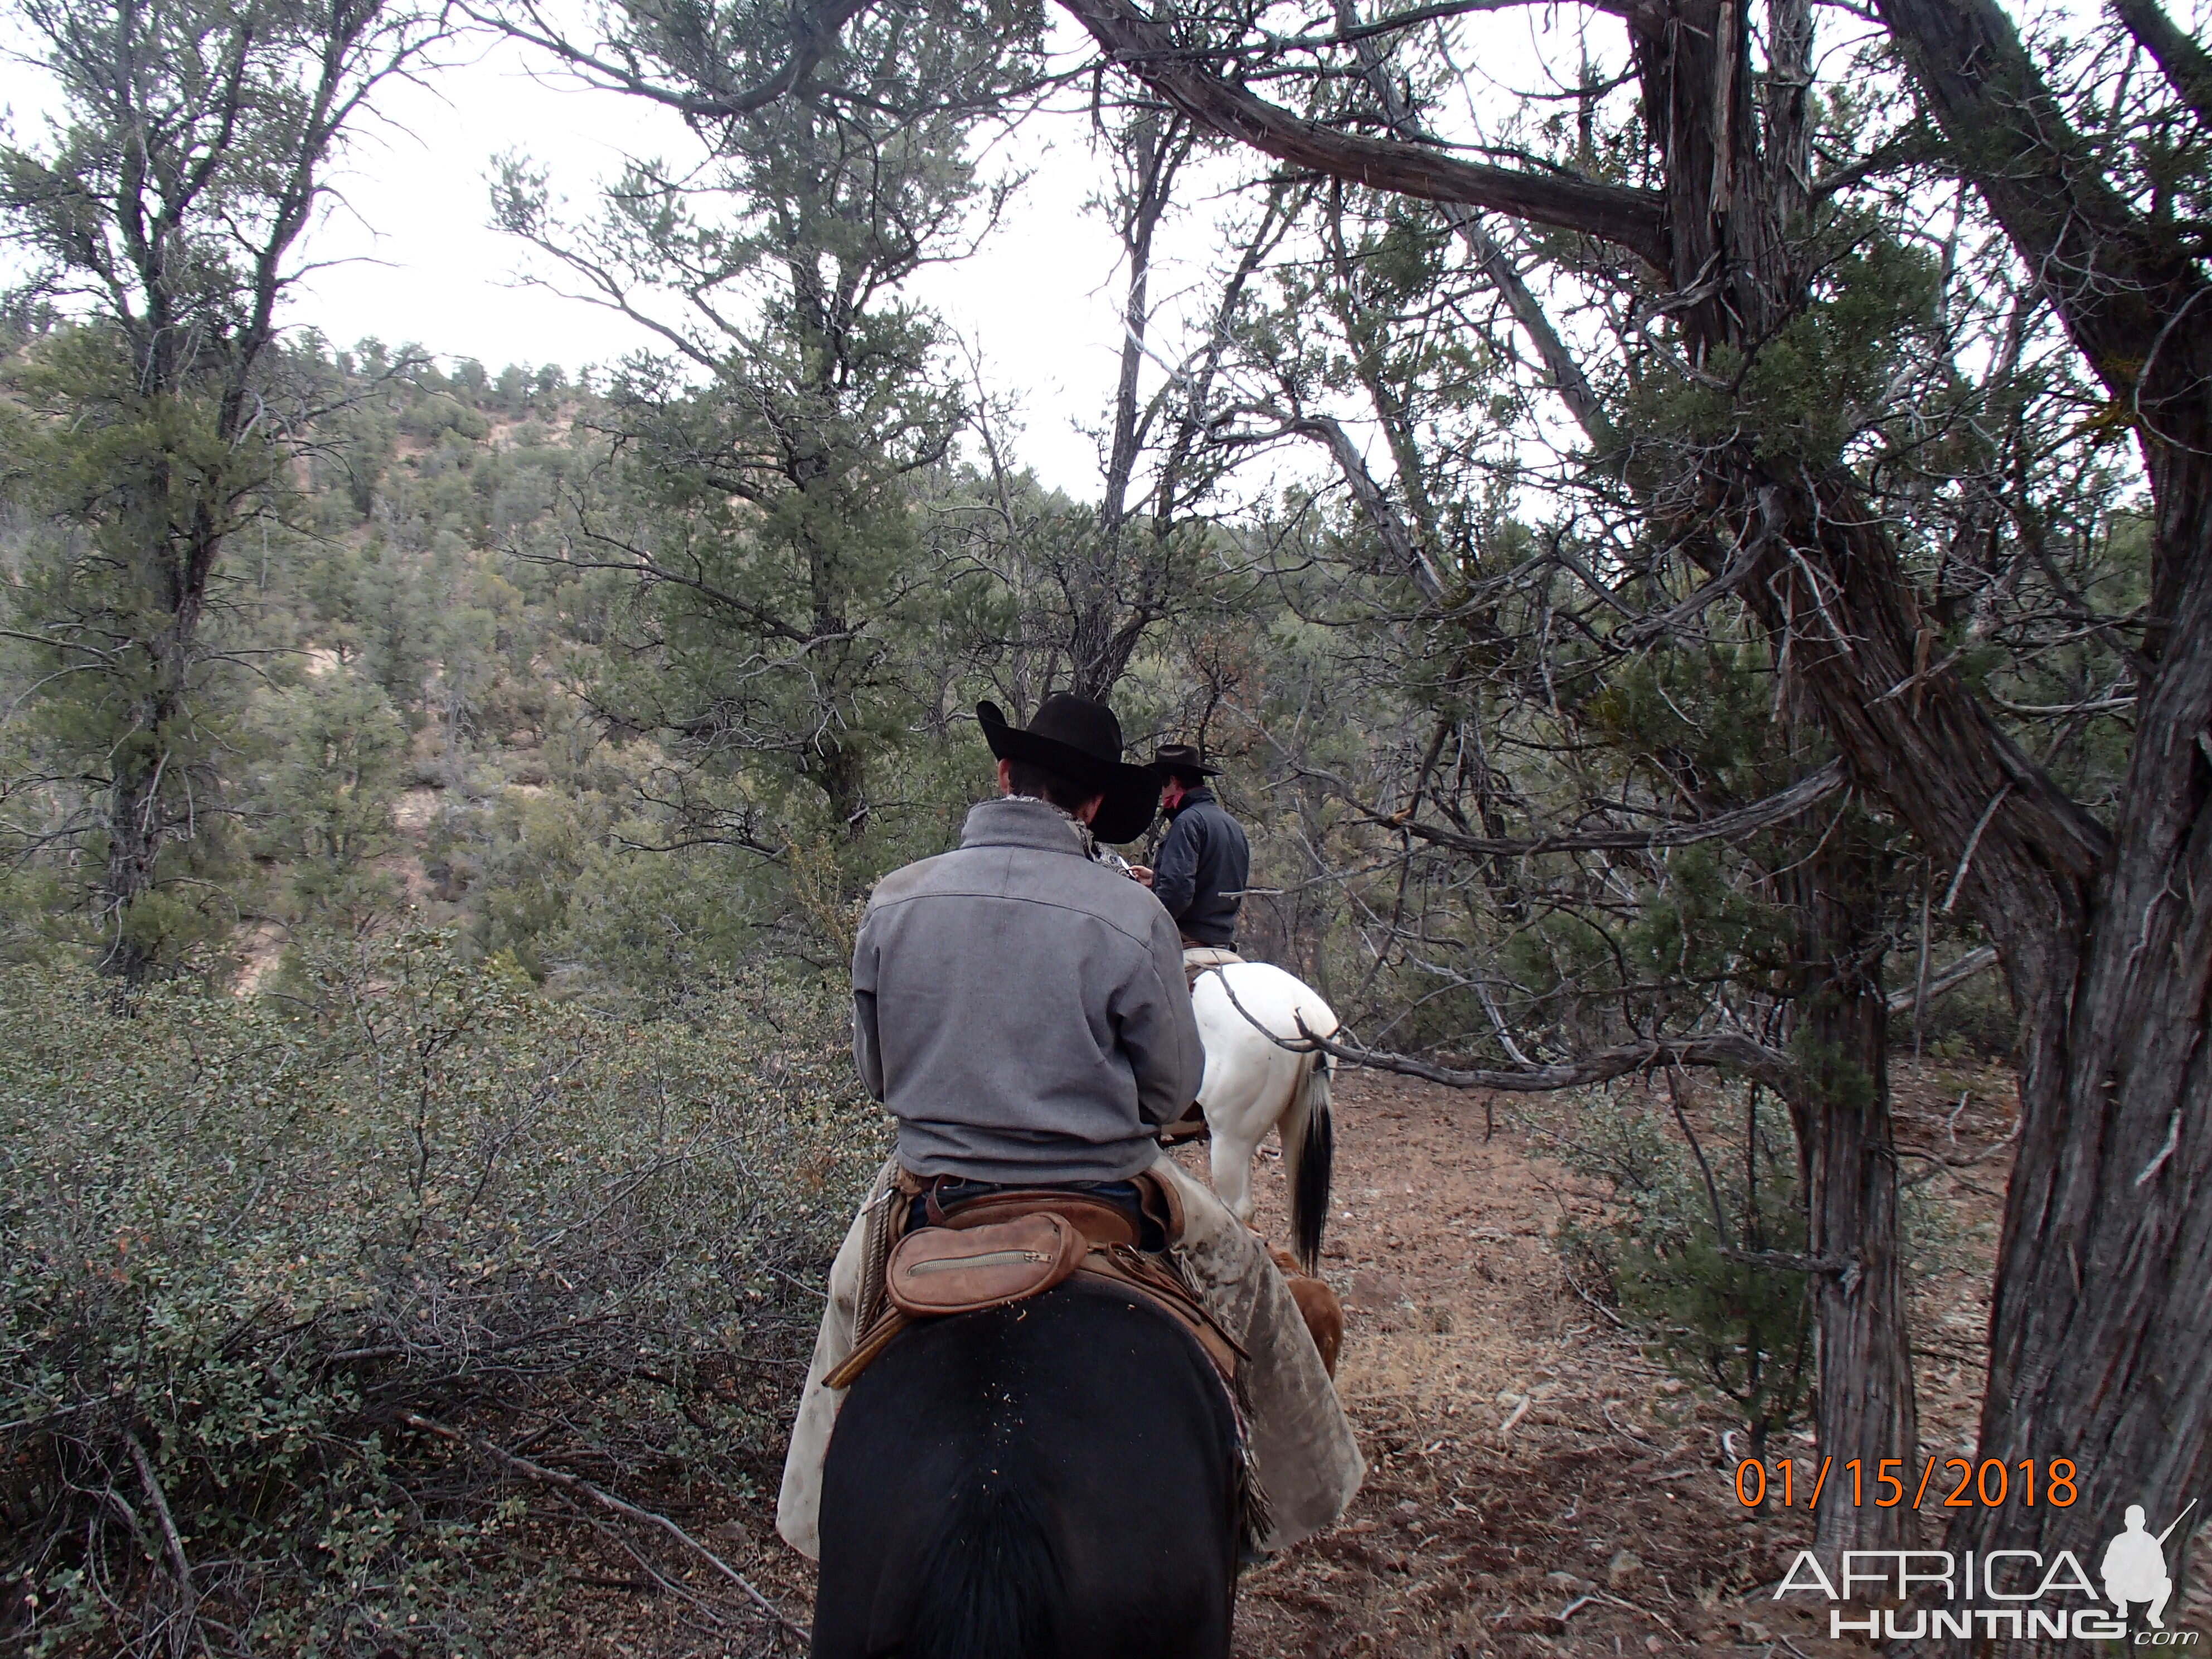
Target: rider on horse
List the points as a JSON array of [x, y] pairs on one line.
[[1020, 1009], [1203, 860]]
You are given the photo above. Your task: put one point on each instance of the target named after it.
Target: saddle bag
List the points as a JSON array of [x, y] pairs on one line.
[[1020, 1242], [935, 1271]]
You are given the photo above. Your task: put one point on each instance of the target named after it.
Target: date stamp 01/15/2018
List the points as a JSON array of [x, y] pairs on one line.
[[1883, 1482]]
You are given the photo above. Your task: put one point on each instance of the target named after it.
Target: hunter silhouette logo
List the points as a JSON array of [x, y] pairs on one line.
[[2134, 1568]]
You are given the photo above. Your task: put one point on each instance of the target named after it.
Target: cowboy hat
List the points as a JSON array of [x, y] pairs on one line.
[[1182, 758], [1081, 741]]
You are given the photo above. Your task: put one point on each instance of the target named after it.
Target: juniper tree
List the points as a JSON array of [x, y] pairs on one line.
[[161, 219], [764, 471]]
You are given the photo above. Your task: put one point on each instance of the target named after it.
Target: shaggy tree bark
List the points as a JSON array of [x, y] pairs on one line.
[[2101, 1337], [1736, 194], [1839, 1090], [1838, 1095]]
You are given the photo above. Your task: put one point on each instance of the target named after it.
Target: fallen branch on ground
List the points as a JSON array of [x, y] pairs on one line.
[[178, 1560], [576, 1486]]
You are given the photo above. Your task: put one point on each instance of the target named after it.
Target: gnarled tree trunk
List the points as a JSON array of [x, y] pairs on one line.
[[1847, 1160]]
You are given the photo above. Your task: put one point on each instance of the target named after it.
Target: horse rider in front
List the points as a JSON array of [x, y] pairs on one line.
[[1200, 872], [1019, 1008]]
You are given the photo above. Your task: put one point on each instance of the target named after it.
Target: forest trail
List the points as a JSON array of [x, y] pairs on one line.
[[1524, 1457], [1600, 1518]]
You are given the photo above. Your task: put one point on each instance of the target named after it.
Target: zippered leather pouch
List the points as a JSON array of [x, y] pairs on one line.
[[935, 1271]]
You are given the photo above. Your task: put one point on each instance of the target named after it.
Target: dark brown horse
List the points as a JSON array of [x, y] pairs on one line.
[[1054, 1480]]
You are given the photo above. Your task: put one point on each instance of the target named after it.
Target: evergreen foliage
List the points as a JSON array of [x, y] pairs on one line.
[[1680, 1259], [244, 1239]]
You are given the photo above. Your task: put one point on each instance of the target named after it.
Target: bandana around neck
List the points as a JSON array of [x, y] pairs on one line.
[[1091, 850]]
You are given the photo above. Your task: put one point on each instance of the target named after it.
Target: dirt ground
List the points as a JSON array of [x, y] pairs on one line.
[[1537, 1485], [1524, 1457]]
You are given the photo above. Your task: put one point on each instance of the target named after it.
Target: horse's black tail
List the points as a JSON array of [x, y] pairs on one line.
[[988, 1585], [1317, 1153]]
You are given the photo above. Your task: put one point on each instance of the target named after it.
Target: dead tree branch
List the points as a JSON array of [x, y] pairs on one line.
[[576, 1487]]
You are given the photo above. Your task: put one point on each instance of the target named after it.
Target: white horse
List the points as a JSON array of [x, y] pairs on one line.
[[1253, 1083]]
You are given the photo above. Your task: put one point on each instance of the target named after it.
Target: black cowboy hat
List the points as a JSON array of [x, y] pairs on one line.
[[1181, 757], [1081, 741]]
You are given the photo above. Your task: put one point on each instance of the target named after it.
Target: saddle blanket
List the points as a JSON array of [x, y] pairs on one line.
[[1197, 958]]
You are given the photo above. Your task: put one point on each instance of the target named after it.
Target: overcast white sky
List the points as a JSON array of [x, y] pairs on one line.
[[406, 254], [409, 256]]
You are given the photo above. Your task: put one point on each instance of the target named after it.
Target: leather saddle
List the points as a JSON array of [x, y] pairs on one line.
[[1007, 1246]]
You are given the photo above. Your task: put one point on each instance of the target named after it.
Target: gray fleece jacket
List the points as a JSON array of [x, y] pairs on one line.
[[1021, 1010]]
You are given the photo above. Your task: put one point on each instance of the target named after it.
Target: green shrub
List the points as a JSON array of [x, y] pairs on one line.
[[242, 1241], [1740, 1329]]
